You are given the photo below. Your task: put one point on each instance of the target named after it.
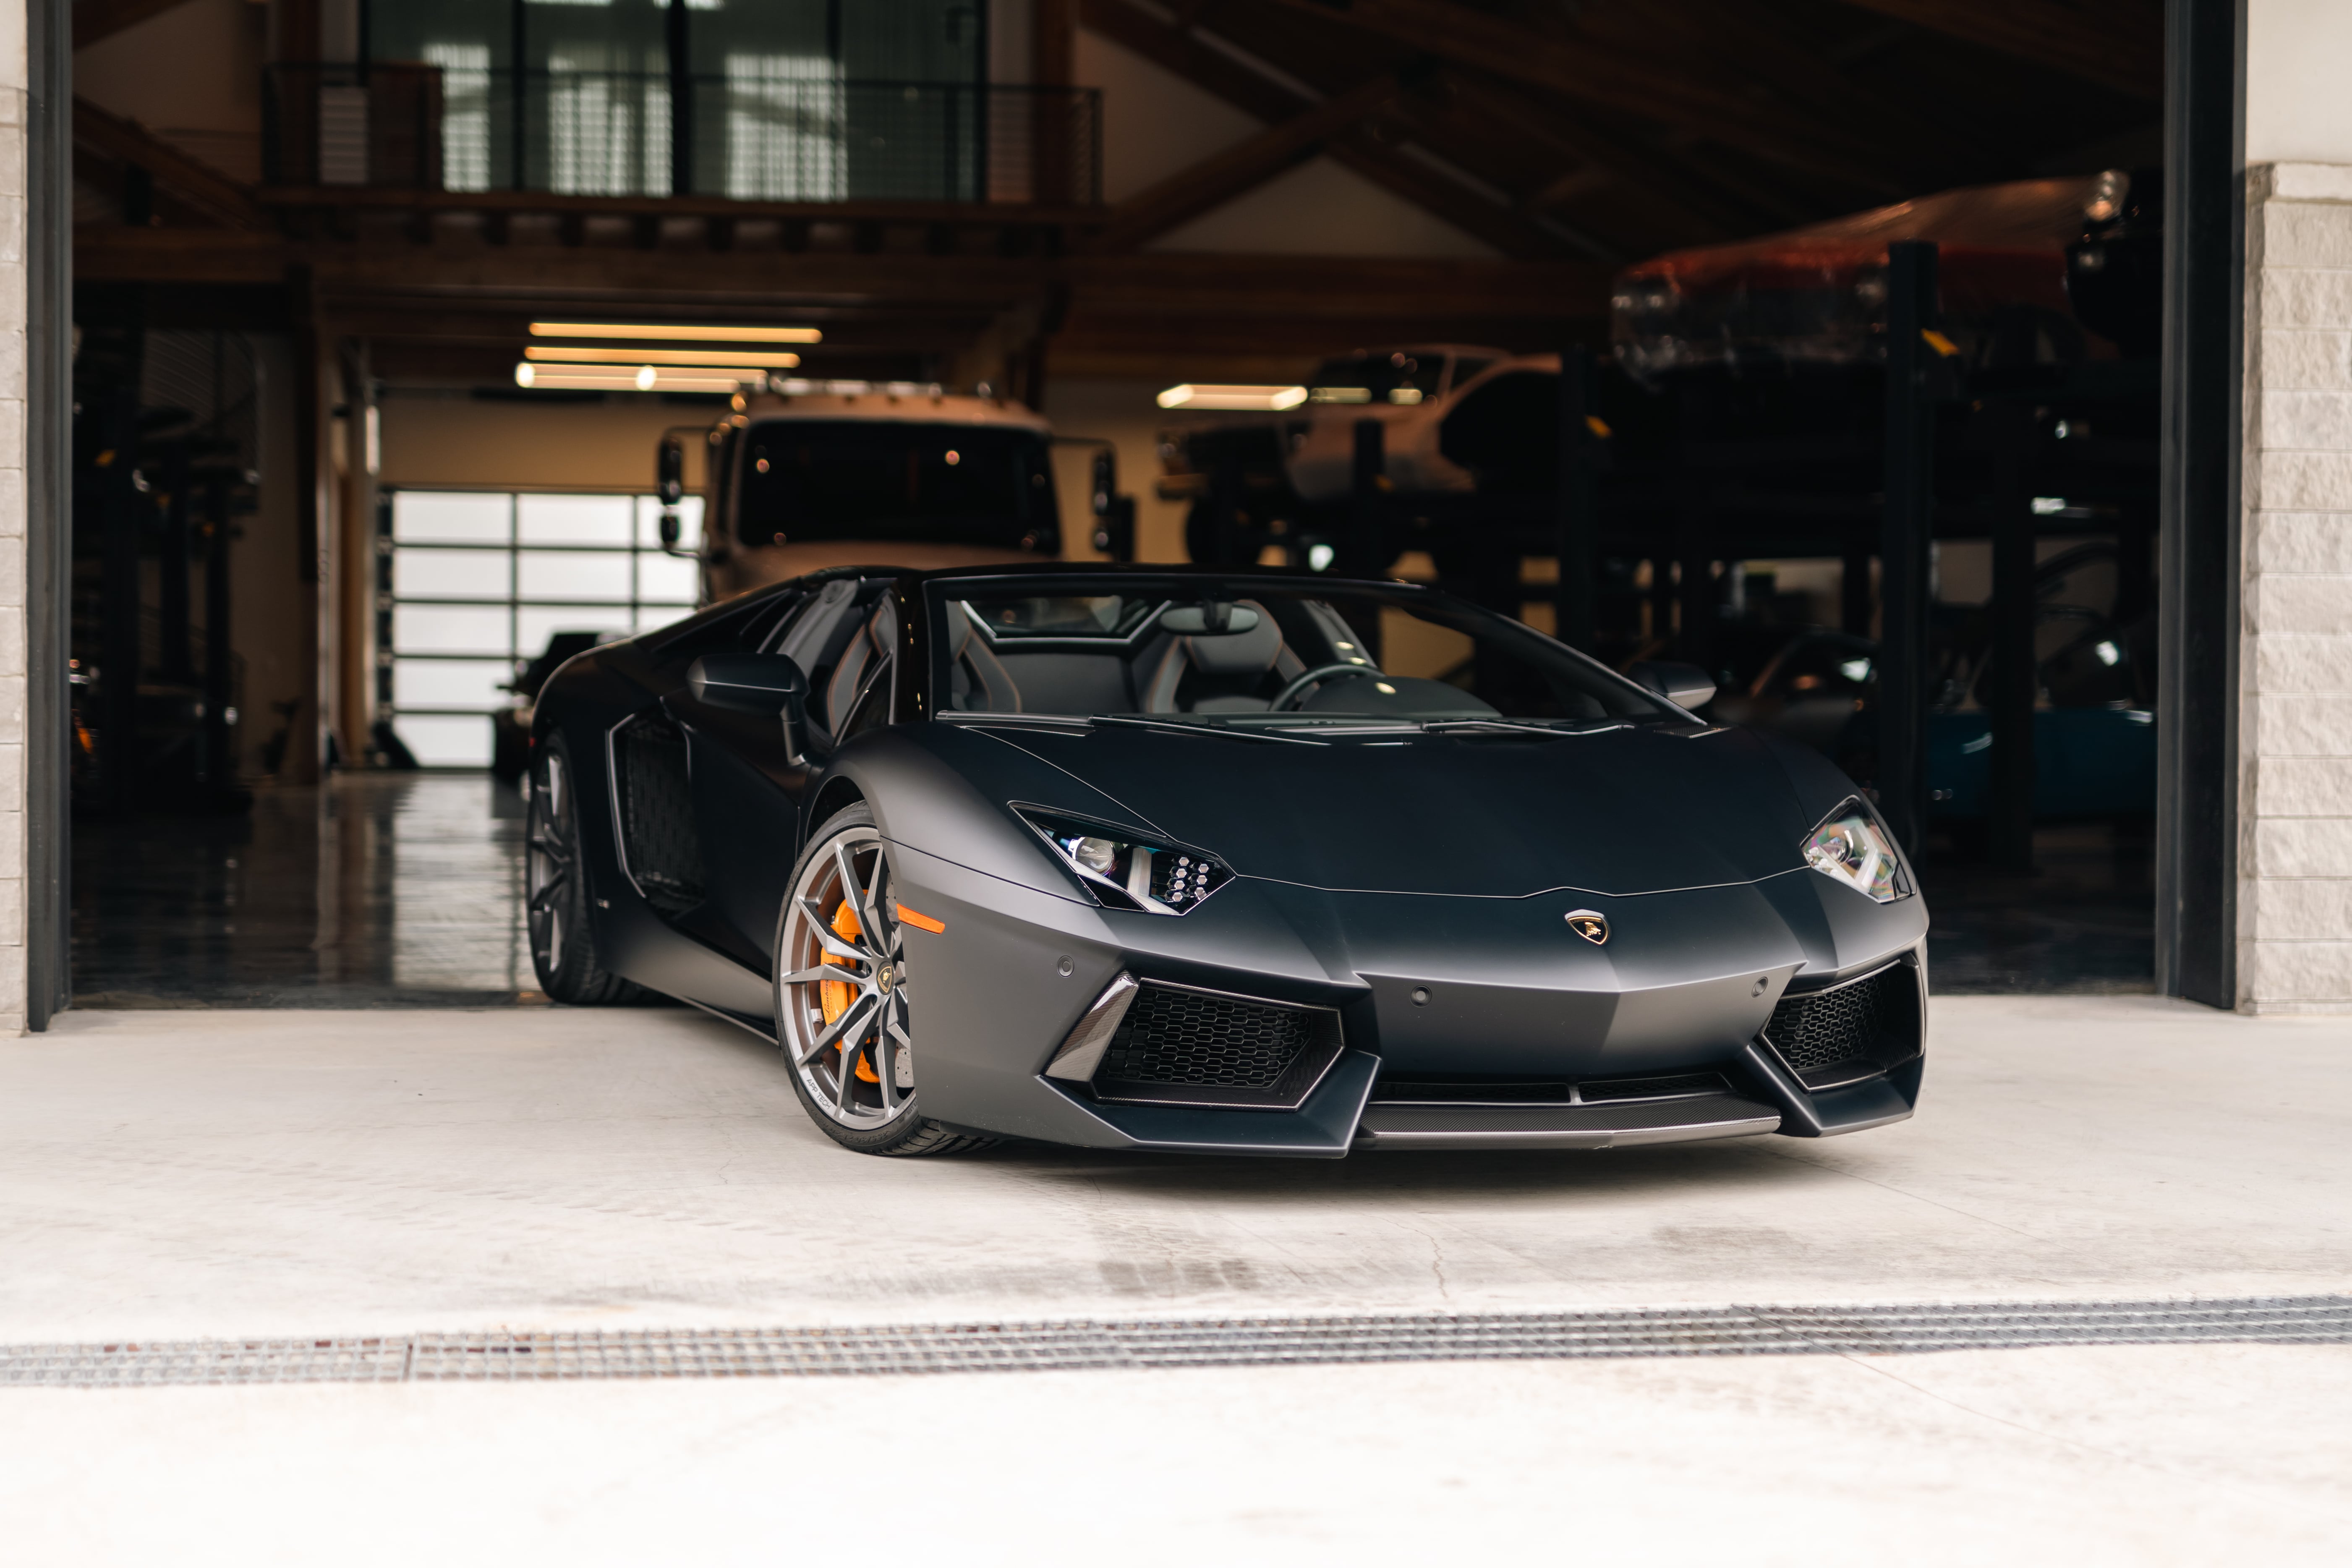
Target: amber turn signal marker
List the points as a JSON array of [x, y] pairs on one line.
[[921, 922]]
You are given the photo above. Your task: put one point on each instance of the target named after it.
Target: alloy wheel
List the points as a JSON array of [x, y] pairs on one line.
[[841, 988], [547, 864]]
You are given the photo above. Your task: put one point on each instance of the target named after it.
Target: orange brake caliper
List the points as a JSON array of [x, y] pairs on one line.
[[833, 995]]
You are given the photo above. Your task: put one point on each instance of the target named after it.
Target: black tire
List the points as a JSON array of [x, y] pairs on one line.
[[562, 942], [879, 1122]]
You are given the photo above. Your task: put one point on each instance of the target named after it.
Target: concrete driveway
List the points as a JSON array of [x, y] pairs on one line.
[[216, 1174]]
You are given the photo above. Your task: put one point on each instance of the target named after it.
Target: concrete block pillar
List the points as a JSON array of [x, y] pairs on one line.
[[2294, 887]]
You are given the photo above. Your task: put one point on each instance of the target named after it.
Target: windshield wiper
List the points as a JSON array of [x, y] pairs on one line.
[[1460, 726], [1177, 727]]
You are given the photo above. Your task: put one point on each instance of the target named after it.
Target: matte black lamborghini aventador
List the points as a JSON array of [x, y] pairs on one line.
[[1183, 859]]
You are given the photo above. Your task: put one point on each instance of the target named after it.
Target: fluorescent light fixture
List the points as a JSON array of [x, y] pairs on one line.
[[622, 378], [1341, 394], [766, 358], [1254, 397], [699, 334]]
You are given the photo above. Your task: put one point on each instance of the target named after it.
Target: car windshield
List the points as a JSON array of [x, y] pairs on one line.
[[1267, 654], [810, 480]]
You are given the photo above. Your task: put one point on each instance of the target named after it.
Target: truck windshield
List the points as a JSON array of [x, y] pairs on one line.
[[805, 480]]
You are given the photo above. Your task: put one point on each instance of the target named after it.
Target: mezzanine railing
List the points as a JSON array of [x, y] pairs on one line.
[[792, 136]]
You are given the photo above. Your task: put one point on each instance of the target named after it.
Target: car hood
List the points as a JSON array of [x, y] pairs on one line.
[[1621, 811]]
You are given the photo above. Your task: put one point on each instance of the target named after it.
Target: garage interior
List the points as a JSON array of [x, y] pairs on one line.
[[1886, 360], [311, 337]]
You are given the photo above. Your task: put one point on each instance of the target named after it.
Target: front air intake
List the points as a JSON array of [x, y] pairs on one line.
[[1172, 1044], [1840, 1033]]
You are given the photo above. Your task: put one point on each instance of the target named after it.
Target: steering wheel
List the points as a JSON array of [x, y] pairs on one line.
[[1287, 699]]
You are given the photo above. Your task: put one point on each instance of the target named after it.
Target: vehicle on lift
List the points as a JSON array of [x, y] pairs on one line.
[[1411, 391], [1227, 862], [1454, 420], [2093, 722], [890, 474], [1815, 297]]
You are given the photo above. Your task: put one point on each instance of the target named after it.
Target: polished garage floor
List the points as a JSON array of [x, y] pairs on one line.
[[168, 1174], [406, 890]]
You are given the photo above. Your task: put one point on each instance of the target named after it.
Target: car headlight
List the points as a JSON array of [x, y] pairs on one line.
[[1850, 845], [1125, 872]]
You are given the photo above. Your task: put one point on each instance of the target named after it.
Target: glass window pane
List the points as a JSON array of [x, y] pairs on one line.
[[568, 575], [572, 520], [535, 624], [450, 574], [445, 743], [450, 628], [450, 519], [451, 683], [689, 523], [653, 617], [667, 580]]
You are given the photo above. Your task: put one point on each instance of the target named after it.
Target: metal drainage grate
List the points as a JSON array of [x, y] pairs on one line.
[[1877, 1330]]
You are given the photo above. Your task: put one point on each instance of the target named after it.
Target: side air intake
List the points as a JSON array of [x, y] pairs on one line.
[[659, 847], [1840, 1033], [1152, 1044]]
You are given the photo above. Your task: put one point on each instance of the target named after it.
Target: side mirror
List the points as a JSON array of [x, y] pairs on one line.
[[767, 683], [1105, 487], [1684, 684], [670, 471], [669, 487]]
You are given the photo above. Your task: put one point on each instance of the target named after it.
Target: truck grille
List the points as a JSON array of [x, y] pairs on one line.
[[1196, 1047], [1874, 1021]]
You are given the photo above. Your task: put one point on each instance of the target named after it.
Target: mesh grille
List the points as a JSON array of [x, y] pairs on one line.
[[1652, 1087], [1861, 1020], [665, 855], [1182, 1036]]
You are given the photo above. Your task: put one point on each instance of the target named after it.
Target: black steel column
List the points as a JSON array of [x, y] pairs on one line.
[[1695, 547], [49, 509], [1577, 528], [1661, 602], [1364, 555], [2198, 532], [1855, 593], [1905, 527], [220, 685], [2015, 688], [120, 656], [174, 657]]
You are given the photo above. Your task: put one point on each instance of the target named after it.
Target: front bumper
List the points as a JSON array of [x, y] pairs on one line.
[[1469, 991]]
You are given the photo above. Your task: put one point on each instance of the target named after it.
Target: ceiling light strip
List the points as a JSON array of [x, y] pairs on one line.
[[731, 359], [676, 332]]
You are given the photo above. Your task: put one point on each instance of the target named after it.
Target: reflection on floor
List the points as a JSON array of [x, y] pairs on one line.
[[2083, 921], [407, 889], [382, 889]]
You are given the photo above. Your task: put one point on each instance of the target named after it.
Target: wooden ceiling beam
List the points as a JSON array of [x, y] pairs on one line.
[[1713, 212], [547, 278], [2119, 44], [1734, 30], [1180, 51], [1596, 73], [190, 184], [96, 19], [1248, 163], [1510, 229]]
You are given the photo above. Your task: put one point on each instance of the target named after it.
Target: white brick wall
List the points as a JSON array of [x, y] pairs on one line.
[[13, 82], [2294, 892]]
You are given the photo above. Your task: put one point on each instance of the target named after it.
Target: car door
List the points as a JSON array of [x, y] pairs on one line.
[[749, 777]]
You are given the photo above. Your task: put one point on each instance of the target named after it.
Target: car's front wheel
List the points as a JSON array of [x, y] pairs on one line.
[[562, 947], [844, 1013]]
